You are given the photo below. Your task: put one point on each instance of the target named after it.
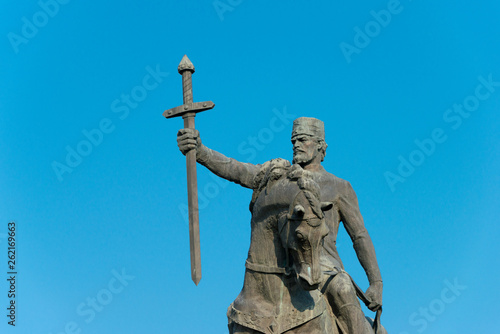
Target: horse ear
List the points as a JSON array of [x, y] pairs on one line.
[[299, 210], [325, 206]]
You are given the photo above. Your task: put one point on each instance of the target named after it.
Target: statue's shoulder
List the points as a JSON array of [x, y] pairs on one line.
[[332, 183], [331, 179]]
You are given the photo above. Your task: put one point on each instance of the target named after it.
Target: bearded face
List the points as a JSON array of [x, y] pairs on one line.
[[305, 149]]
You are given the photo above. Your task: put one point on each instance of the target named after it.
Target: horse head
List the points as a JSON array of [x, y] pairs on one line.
[[303, 230]]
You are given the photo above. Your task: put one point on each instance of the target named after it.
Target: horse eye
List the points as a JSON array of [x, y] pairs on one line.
[[300, 236]]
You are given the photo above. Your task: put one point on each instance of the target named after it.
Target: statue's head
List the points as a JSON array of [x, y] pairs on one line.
[[308, 139]]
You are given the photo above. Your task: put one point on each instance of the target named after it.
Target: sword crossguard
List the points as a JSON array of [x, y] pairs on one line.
[[194, 107]]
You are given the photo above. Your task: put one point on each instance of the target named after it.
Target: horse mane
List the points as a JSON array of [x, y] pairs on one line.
[[275, 169], [269, 171], [311, 191], [308, 186]]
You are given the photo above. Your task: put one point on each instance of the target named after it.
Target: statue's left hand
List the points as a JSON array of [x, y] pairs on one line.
[[374, 295]]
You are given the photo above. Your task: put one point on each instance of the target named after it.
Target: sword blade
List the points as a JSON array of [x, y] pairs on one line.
[[192, 184], [194, 222]]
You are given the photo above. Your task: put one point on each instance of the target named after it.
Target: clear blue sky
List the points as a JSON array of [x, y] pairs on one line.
[[411, 106]]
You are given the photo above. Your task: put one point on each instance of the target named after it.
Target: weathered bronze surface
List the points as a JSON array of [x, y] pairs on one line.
[[188, 111], [294, 280]]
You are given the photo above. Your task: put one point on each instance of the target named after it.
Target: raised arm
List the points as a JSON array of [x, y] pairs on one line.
[[355, 227], [227, 168]]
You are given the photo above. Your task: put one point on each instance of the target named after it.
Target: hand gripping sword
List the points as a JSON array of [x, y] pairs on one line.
[[188, 111]]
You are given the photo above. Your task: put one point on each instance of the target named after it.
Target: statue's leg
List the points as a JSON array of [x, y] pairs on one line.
[[345, 305]]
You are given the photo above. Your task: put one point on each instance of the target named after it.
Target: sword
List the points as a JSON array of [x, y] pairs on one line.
[[188, 112]]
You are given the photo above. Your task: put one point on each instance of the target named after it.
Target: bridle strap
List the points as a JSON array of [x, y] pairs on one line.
[[261, 268]]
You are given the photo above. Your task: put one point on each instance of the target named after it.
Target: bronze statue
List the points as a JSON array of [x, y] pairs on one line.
[[294, 280]]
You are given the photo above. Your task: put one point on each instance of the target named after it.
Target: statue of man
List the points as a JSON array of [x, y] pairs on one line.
[[309, 149]]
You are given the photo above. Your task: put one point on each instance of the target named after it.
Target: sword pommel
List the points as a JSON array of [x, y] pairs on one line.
[[185, 65]]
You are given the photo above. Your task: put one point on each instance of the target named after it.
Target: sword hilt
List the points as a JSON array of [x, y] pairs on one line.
[[188, 109], [187, 87]]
